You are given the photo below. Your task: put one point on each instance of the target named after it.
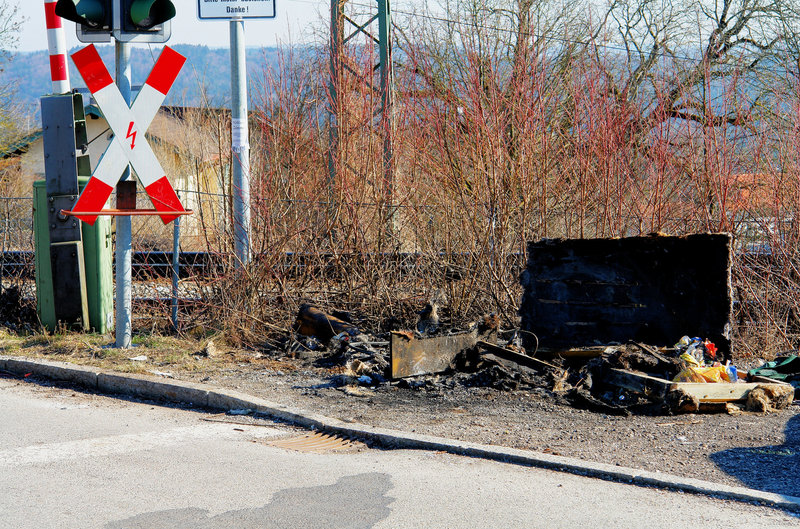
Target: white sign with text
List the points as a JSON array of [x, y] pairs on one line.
[[227, 9]]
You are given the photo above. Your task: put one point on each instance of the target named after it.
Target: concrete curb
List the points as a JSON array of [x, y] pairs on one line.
[[223, 399]]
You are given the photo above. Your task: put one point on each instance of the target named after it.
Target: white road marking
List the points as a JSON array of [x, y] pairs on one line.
[[127, 443]]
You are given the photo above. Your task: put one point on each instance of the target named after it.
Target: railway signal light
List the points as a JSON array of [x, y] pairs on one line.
[[126, 20], [144, 20], [93, 18], [144, 15]]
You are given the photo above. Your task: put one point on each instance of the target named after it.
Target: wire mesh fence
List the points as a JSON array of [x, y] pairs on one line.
[[16, 224], [298, 257]]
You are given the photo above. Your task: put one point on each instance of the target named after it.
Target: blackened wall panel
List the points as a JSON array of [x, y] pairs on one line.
[[655, 289]]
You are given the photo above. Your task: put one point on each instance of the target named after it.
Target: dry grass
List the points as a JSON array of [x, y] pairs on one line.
[[168, 354]]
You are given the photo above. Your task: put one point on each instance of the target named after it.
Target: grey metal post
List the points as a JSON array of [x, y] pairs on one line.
[[123, 248], [176, 269], [387, 114], [334, 110], [240, 145]]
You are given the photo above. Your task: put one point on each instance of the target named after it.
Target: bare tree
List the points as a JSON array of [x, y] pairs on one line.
[[678, 54], [10, 27]]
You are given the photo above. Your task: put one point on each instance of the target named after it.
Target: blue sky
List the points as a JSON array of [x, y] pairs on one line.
[[297, 21]]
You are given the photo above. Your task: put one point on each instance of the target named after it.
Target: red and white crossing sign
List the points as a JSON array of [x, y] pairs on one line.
[[129, 125]]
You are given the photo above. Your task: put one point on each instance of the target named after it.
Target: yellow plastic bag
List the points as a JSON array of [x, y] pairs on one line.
[[703, 374], [689, 360], [689, 375]]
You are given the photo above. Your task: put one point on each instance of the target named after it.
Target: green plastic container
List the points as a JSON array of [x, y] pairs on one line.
[[98, 260]]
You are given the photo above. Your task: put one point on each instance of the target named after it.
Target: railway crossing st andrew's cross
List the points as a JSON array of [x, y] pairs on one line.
[[128, 124]]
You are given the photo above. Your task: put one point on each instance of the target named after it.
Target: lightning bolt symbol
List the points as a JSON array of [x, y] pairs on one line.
[[131, 135]]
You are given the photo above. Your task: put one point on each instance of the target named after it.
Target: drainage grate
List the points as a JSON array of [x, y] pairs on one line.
[[317, 442]]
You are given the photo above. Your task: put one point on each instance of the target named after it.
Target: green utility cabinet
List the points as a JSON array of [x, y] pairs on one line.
[[97, 255]]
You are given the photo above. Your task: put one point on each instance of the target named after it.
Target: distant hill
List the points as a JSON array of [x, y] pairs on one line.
[[207, 71]]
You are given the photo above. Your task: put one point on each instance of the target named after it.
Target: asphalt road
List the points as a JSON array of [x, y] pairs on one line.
[[75, 460]]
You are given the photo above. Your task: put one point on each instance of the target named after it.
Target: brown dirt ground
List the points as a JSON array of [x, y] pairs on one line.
[[760, 451]]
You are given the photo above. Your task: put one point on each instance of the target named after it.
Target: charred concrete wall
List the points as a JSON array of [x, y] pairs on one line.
[[654, 289]]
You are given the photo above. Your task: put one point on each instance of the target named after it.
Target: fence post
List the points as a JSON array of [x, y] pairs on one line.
[[176, 269]]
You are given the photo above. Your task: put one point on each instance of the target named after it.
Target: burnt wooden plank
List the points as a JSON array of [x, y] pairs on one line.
[[653, 388], [510, 364], [581, 352], [656, 388], [517, 358]]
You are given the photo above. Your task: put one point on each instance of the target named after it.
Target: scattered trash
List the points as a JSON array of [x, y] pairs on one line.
[[693, 397], [305, 347], [785, 368], [612, 379], [714, 374], [700, 363], [353, 391], [311, 321], [140, 358], [428, 322], [162, 374], [696, 351], [209, 350], [768, 397]]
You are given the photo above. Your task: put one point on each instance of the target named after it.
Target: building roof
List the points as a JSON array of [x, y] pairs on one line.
[[164, 135], [21, 145]]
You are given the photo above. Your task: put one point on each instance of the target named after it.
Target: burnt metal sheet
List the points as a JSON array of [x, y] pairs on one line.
[[422, 356], [654, 289]]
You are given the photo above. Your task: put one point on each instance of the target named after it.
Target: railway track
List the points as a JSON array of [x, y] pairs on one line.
[[158, 264], [144, 265]]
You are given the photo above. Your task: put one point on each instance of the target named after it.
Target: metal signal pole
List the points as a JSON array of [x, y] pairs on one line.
[[383, 88], [123, 247], [240, 144]]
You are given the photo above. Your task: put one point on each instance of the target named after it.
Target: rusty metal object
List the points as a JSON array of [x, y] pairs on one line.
[[422, 356], [317, 442]]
